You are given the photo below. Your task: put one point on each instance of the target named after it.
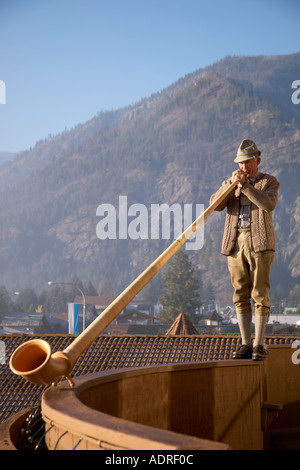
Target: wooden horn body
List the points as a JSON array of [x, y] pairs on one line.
[[33, 359]]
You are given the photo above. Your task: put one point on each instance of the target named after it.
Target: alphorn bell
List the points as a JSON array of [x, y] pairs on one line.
[[34, 361]]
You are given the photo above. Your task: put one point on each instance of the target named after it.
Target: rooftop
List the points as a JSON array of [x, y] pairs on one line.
[[113, 352], [182, 325]]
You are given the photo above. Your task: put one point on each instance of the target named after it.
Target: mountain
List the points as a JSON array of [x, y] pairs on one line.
[[175, 147], [271, 77], [6, 156]]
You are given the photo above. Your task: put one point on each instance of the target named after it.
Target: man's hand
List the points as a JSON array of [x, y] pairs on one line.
[[239, 176]]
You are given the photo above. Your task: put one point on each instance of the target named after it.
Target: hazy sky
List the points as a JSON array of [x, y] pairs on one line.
[[62, 61]]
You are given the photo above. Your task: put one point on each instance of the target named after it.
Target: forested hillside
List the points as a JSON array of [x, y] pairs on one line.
[[176, 146]]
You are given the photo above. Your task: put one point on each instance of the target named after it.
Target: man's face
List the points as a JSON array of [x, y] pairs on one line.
[[250, 166]]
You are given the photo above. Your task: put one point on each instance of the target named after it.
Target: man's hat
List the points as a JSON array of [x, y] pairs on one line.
[[246, 151]]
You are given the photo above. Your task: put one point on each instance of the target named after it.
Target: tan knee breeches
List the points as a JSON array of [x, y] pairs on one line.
[[250, 273]]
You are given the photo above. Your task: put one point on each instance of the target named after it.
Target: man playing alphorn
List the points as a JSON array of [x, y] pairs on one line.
[[249, 244]]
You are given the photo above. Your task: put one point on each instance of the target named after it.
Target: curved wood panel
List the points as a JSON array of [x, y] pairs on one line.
[[188, 406]]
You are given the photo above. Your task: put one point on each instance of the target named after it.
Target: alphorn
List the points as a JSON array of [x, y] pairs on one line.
[[34, 361]]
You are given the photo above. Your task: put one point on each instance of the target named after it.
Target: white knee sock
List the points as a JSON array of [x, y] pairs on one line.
[[260, 328], [244, 321]]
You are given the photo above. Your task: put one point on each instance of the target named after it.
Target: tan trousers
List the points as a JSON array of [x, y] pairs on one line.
[[250, 273]]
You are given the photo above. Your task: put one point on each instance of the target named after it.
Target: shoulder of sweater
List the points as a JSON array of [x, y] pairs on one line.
[[265, 176]]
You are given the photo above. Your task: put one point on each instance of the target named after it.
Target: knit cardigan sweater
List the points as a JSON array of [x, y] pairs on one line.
[[263, 195]]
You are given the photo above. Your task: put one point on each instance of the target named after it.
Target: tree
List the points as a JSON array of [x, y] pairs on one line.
[[209, 294], [27, 301], [90, 289], [56, 300], [153, 289], [294, 297], [182, 289]]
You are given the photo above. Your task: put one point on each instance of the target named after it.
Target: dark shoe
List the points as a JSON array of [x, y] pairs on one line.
[[259, 353], [244, 352]]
